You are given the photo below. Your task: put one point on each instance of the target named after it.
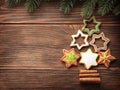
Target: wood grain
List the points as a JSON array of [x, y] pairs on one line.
[[48, 13], [31, 46], [50, 79], [35, 51], [40, 45]]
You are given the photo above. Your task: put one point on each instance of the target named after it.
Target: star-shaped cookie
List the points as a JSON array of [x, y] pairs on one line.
[[88, 58], [102, 36], [70, 57], [79, 33], [87, 30], [105, 58]]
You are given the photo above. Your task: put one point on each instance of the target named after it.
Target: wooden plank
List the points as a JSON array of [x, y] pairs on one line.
[[40, 46], [49, 13], [54, 79], [31, 46], [1, 2]]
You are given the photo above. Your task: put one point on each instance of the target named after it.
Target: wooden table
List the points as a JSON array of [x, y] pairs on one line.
[[31, 47]]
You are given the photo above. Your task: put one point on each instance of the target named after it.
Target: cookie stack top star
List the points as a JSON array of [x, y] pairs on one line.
[[87, 30]]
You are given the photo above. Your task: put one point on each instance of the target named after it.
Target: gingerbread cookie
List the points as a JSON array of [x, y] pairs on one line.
[[70, 57], [87, 30], [102, 36], [79, 33], [105, 58], [88, 58]]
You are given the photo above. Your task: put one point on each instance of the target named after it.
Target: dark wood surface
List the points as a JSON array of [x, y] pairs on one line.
[[31, 46]]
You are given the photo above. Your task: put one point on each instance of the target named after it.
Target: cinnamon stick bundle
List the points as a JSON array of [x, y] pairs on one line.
[[89, 76]]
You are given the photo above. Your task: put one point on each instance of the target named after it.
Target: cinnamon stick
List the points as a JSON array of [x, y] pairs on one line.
[[89, 75], [88, 71], [95, 80]]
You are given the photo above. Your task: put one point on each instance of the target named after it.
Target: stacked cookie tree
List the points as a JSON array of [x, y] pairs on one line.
[[89, 58]]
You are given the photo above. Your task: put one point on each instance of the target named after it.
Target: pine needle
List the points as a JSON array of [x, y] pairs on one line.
[[116, 11], [105, 6], [12, 3], [88, 7], [67, 5], [31, 5]]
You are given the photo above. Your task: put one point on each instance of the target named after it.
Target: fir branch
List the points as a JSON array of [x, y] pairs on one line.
[[12, 3], [116, 11], [88, 7], [31, 5], [105, 6], [67, 5]]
